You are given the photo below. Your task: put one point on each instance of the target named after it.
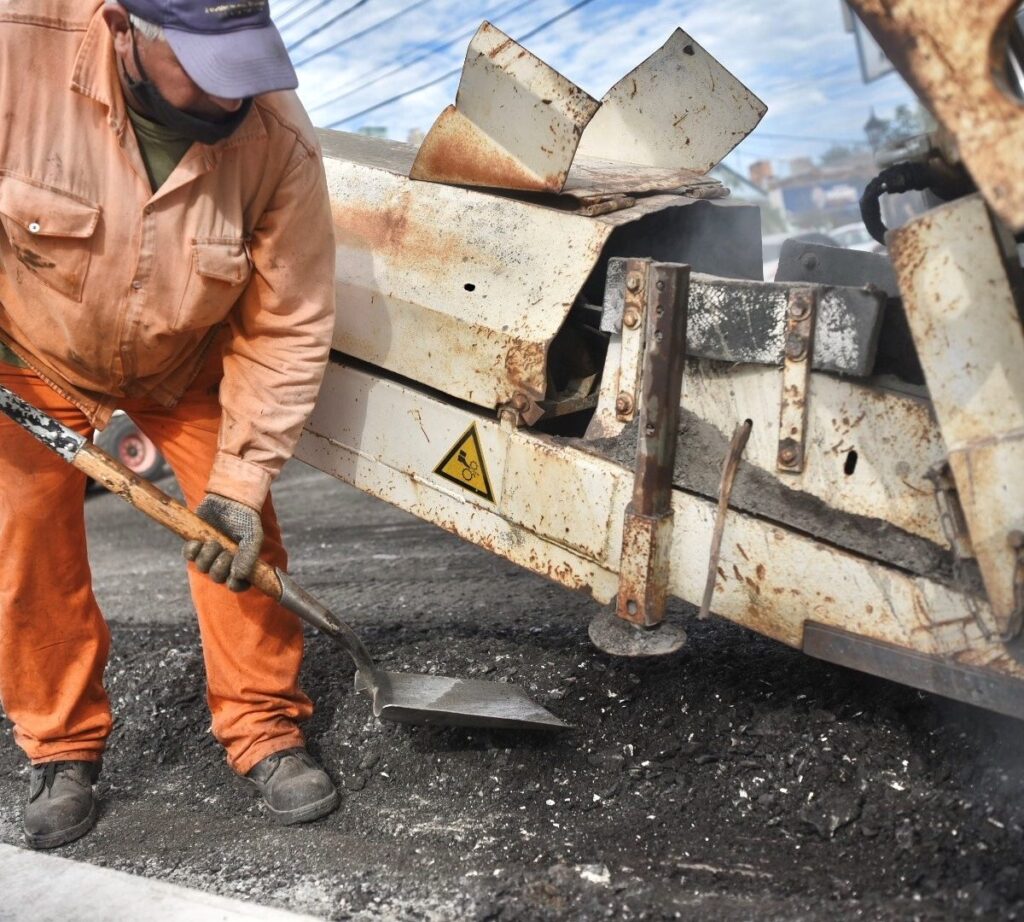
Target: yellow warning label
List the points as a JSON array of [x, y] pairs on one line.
[[464, 465]]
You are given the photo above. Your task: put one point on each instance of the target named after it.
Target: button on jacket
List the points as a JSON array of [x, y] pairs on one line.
[[111, 291]]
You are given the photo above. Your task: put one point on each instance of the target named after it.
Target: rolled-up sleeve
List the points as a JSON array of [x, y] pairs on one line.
[[280, 335]]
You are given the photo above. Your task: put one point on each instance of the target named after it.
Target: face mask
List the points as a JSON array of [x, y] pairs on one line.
[[188, 126]]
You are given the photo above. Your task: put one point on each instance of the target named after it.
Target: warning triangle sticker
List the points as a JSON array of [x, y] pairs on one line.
[[464, 465]]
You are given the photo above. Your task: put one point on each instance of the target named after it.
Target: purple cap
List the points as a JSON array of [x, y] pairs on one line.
[[230, 48]]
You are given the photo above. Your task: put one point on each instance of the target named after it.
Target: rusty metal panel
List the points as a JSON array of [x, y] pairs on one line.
[[951, 54], [459, 290], [735, 320], [931, 673], [893, 437], [568, 499], [516, 122], [969, 338], [679, 109]]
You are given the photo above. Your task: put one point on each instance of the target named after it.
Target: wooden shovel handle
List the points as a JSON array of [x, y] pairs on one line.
[[160, 507]]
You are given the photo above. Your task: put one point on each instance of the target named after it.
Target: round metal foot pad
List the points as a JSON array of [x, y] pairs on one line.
[[613, 635]]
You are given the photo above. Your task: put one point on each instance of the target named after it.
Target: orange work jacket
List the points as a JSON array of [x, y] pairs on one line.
[[109, 290]]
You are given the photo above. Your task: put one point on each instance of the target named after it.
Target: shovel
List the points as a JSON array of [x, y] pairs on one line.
[[397, 696]]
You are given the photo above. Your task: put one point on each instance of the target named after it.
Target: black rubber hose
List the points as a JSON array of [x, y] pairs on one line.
[[902, 177]]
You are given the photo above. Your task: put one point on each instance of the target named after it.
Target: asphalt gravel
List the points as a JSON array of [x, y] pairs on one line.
[[737, 779]]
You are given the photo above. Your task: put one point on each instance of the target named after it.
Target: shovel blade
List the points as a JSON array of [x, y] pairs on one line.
[[411, 698]]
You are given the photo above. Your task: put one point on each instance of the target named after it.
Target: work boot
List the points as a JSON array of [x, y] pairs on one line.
[[60, 807], [294, 788]]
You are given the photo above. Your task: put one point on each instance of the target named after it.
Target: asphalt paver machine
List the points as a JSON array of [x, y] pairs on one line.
[[553, 340]]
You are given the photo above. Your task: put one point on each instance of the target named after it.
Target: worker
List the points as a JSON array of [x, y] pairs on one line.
[[166, 249]]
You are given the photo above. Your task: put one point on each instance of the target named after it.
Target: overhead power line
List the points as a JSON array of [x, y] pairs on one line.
[[377, 25], [387, 102], [552, 21], [326, 25], [402, 63], [287, 17]]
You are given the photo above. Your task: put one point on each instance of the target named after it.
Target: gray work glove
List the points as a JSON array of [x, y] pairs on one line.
[[239, 522]]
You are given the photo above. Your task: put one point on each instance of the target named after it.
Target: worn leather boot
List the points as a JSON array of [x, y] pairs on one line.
[[60, 807], [294, 788]]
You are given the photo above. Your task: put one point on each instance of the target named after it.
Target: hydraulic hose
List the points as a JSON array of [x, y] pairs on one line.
[[947, 183]]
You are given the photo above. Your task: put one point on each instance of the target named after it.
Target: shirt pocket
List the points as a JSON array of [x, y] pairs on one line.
[[219, 272], [48, 232]]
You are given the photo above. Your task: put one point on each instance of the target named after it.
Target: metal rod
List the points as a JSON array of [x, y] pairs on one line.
[[732, 463]]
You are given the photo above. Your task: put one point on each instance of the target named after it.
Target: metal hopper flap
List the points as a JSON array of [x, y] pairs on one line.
[[518, 124]]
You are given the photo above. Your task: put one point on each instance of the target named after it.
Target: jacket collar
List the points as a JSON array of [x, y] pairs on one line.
[[95, 76]]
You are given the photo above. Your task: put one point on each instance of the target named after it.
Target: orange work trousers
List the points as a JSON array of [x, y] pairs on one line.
[[53, 638]]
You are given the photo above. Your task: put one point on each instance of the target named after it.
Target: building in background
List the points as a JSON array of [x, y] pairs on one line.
[[747, 192], [820, 196]]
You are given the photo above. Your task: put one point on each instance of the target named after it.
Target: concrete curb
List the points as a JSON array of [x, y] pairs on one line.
[[45, 888]]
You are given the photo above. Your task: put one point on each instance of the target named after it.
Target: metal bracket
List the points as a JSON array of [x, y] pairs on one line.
[[520, 411], [951, 513], [633, 344], [656, 293], [796, 372]]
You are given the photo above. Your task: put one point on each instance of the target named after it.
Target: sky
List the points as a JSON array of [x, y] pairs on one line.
[[794, 54]]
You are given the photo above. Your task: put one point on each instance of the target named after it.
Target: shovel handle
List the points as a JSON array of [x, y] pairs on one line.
[[148, 499], [78, 451], [280, 587]]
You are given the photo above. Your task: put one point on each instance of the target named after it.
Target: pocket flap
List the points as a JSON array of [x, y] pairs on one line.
[[46, 211], [225, 260]]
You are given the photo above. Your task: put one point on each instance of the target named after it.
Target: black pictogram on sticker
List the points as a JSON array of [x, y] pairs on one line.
[[464, 465]]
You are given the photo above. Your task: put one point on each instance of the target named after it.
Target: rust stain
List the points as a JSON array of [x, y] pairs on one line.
[[456, 151], [525, 365], [392, 232], [500, 49]]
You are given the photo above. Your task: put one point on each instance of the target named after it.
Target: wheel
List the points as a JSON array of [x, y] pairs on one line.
[[125, 443]]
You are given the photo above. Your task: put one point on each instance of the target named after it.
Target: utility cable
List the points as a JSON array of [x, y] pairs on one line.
[[553, 20], [304, 15], [452, 73], [402, 64], [373, 28], [288, 14], [330, 22]]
